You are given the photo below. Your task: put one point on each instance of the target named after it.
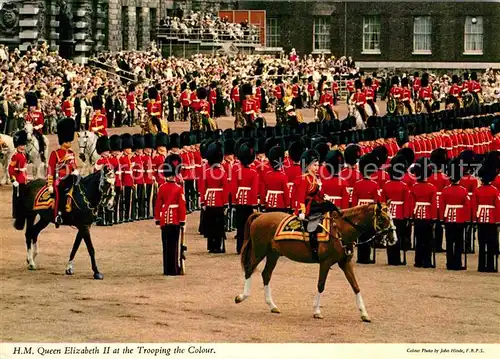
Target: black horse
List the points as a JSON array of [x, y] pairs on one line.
[[87, 195]]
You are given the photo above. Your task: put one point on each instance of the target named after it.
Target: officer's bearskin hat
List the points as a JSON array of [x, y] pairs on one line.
[[161, 140], [395, 80], [192, 85], [322, 148], [368, 82], [172, 165], [334, 161], [228, 133], [229, 146], [422, 169], [307, 158], [276, 157], [184, 86], [358, 85], [138, 140], [201, 93], [368, 164], [248, 132], [439, 158], [352, 154], [258, 82], [66, 93], [66, 130], [246, 154], [115, 143], [185, 139], [96, 103], [152, 93], [208, 134], [174, 141], [468, 158], [213, 84], [424, 82], [20, 138], [473, 76], [382, 155], [149, 140], [102, 145], [259, 144], [127, 141], [312, 128], [215, 153], [31, 99], [455, 169], [408, 154], [204, 147], [246, 89], [466, 76], [295, 150], [131, 88], [398, 167], [489, 167], [235, 82], [405, 82], [454, 79]]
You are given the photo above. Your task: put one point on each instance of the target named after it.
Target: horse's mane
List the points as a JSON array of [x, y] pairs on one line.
[[92, 177], [354, 211]]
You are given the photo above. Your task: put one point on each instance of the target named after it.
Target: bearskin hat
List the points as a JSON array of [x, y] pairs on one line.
[[368, 82], [382, 155], [246, 154], [96, 103], [395, 80], [269, 132], [402, 136], [248, 132], [398, 167], [468, 158], [66, 130], [100, 91], [138, 140], [184, 86], [215, 153], [424, 81], [228, 133], [489, 167], [67, 93], [20, 138], [152, 93], [295, 150], [172, 165], [131, 88], [278, 130], [229, 146], [201, 93], [322, 148], [454, 79], [213, 84], [368, 164], [439, 158], [208, 134], [466, 76], [102, 145], [258, 82], [455, 169], [422, 169], [352, 154], [161, 140], [149, 140], [268, 144], [127, 141], [185, 139], [495, 127], [473, 76], [115, 143], [235, 82], [405, 82], [204, 147], [31, 99], [192, 85], [246, 89], [334, 161], [307, 158], [174, 141], [408, 154], [358, 85], [276, 157]]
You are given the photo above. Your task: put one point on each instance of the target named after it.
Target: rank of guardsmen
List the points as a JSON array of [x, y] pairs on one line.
[[438, 172]]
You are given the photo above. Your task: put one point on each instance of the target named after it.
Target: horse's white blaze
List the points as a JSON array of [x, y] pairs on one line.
[[246, 290], [361, 305], [269, 298], [317, 299]]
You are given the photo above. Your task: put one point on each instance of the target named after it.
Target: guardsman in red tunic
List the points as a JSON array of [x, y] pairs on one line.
[[425, 94], [294, 171], [274, 192], [486, 213], [149, 178], [138, 170], [212, 98], [375, 85], [102, 147], [235, 98], [246, 187], [397, 195], [187, 170], [159, 159], [247, 103], [335, 187], [296, 100], [194, 101], [423, 200], [67, 107], [127, 176], [439, 160], [115, 143], [231, 167], [311, 91], [185, 101], [359, 99], [380, 176], [350, 87], [370, 95], [154, 108], [455, 92], [470, 183], [350, 172], [416, 85], [326, 100], [336, 89], [170, 215], [18, 169], [131, 104], [62, 164], [406, 94], [214, 191], [456, 209], [474, 86], [35, 116], [395, 91], [279, 92], [366, 191], [99, 123]]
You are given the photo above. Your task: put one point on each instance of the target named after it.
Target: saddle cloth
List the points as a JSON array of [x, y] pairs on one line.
[[45, 200], [291, 228]]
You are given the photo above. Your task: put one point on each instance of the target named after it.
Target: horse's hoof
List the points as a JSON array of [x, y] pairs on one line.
[[238, 299], [31, 267], [275, 311], [70, 271], [366, 319], [318, 316], [98, 276]]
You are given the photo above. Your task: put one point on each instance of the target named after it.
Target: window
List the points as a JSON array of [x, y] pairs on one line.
[[371, 34], [140, 26], [272, 33], [321, 33], [473, 39], [125, 28], [422, 35]]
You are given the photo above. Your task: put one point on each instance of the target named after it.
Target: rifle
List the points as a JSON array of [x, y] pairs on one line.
[[182, 249]]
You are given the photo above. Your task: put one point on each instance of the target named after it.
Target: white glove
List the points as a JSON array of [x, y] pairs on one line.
[[51, 189], [15, 184], [302, 216], [75, 173]]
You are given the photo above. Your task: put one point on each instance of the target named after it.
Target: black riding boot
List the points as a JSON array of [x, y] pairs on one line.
[[313, 240]]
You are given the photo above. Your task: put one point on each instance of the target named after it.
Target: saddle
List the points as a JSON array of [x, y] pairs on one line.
[[292, 228]]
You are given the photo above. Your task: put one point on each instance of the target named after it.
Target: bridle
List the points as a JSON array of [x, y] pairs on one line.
[[105, 196]]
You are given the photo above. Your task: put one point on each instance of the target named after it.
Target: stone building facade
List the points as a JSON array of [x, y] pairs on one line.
[[79, 28]]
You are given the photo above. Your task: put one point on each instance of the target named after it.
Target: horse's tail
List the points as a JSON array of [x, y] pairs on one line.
[[246, 251], [20, 215]]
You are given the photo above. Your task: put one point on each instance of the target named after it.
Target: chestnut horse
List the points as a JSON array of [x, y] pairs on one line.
[[373, 220]]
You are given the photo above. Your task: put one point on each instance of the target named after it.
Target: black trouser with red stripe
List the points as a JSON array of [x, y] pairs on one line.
[[127, 203], [17, 197], [455, 236], [149, 201], [423, 243], [118, 210], [139, 205], [171, 250], [487, 235], [394, 252]]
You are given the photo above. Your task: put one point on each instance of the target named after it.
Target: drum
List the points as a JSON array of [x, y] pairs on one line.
[[468, 100], [419, 106], [391, 105]]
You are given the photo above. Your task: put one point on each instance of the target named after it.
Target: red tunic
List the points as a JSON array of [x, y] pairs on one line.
[[454, 204], [335, 190], [184, 98], [369, 94], [67, 108], [311, 89], [138, 169], [351, 175], [158, 162], [126, 169], [470, 183], [131, 101], [455, 90], [359, 99], [235, 94], [395, 91], [170, 207], [154, 108], [416, 84], [486, 200], [399, 195], [293, 174], [18, 168], [295, 90], [98, 124], [214, 187], [188, 167], [61, 164], [381, 177], [147, 164], [405, 94], [440, 181], [212, 97], [194, 101], [246, 185], [103, 161], [274, 191], [350, 86], [36, 118], [425, 93], [365, 191], [115, 162], [326, 99], [278, 92], [423, 201], [307, 191]]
